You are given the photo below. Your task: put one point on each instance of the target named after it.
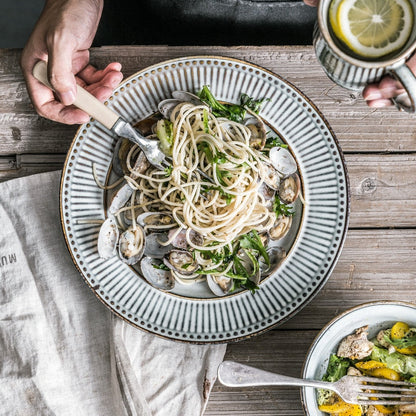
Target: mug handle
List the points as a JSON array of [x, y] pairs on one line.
[[407, 100]]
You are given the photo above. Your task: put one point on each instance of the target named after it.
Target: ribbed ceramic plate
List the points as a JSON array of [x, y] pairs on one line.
[[320, 234]]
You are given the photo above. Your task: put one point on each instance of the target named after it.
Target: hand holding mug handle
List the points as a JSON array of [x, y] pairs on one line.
[[389, 91]]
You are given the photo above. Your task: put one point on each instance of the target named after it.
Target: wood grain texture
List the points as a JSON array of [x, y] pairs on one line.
[[278, 351], [382, 186], [378, 260], [358, 128]]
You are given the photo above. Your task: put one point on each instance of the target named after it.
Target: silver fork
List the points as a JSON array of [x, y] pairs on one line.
[[351, 389], [114, 122]]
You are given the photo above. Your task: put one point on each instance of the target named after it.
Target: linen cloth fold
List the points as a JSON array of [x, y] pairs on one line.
[[62, 352]]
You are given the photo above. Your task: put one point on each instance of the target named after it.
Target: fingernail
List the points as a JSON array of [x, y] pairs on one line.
[[67, 97], [375, 95], [380, 103]]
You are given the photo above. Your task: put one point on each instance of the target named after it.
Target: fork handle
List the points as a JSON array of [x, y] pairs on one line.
[[83, 100], [234, 374]]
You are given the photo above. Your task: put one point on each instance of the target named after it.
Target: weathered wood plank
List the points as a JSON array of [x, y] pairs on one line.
[[383, 190], [357, 127], [374, 265], [383, 187], [367, 271], [278, 351]]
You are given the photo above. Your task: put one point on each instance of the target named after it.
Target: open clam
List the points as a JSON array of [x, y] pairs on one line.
[[121, 150], [271, 177], [282, 160], [258, 133], [107, 238], [276, 256], [182, 262], [147, 125], [180, 240], [156, 221], [154, 248], [219, 285], [188, 97], [267, 193], [289, 188], [131, 245], [281, 227], [155, 275], [167, 106], [246, 261]]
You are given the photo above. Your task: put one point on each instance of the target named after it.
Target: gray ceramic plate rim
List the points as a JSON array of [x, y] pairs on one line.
[[339, 317], [341, 237]]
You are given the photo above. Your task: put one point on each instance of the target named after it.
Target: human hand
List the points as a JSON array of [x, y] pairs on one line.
[[379, 95], [312, 3], [62, 36]]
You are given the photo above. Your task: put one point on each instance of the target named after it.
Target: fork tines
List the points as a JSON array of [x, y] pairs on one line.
[[402, 391]]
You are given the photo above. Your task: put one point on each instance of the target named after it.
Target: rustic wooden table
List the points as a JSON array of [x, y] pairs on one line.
[[378, 260]]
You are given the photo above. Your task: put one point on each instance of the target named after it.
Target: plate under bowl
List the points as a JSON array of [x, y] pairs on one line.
[[377, 315]]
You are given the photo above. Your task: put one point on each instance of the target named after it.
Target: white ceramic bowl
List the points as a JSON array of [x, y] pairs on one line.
[[377, 315]]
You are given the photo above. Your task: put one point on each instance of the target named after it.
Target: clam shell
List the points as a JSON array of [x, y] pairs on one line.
[[188, 97], [153, 248], [180, 240], [156, 220], [289, 188], [276, 256], [219, 285], [121, 150], [280, 228], [159, 278], [131, 245], [181, 261], [282, 160], [166, 107], [107, 238], [271, 177], [258, 133]]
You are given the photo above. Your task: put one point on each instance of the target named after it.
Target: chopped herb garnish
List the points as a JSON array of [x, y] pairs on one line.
[[251, 103], [168, 170], [206, 125], [228, 197], [160, 266], [280, 208], [405, 342], [275, 141], [221, 175], [234, 112], [252, 241]]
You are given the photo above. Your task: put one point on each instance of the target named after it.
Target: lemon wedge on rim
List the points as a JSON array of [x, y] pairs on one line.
[[372, 28]]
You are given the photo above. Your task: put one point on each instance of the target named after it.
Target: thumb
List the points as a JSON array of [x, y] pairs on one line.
[[60, 72]]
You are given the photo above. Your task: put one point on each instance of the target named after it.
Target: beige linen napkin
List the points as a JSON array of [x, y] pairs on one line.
[[61, 351]]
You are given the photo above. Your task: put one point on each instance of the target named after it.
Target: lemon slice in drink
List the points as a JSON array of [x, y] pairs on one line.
[[373, 28]]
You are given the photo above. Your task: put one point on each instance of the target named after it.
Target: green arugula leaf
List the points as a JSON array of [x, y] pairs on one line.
[[274, 142], [247, 284], [252, 241], [168, 170], [234, 112], [251, 103], [221, 175], [160, 266], [205, 119], [405, 342], [280, 208], [228, 197]]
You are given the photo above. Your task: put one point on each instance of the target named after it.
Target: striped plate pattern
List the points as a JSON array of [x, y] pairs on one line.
[[314, 252]]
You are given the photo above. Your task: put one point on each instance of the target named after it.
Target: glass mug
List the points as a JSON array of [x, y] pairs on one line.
[[352, 72]]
